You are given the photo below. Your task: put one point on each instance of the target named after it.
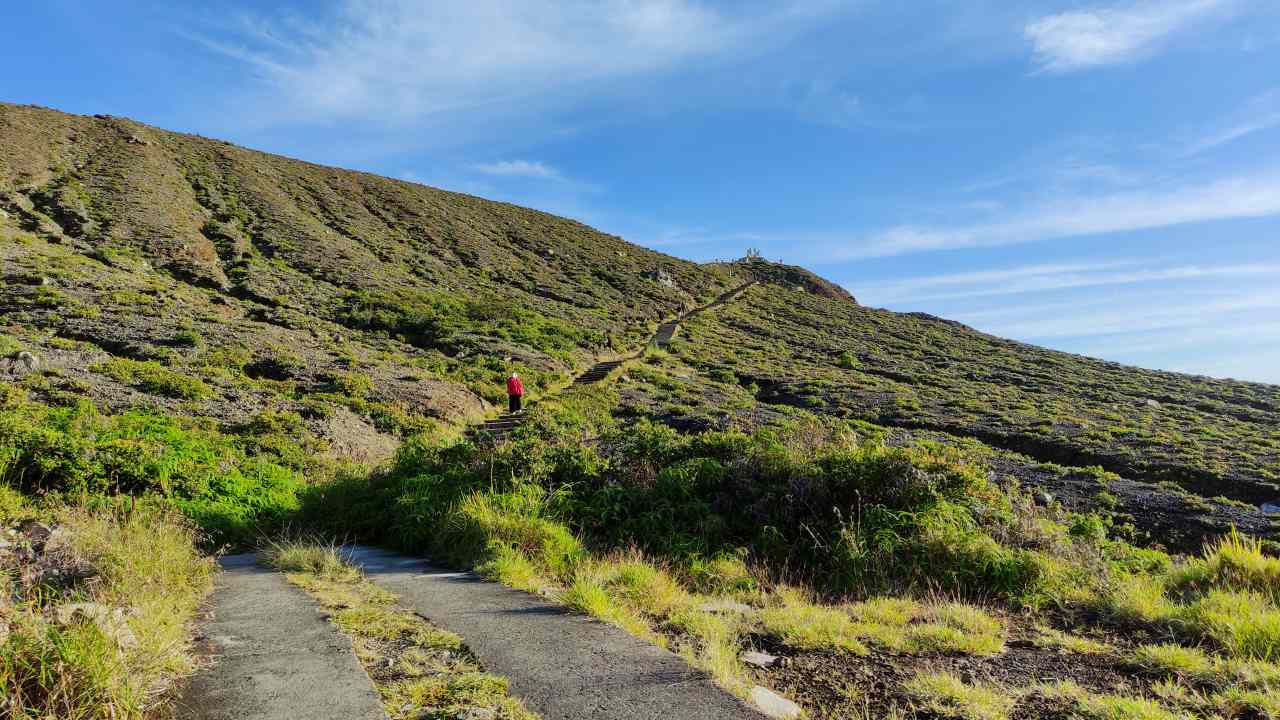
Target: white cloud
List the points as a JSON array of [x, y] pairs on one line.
[[1259, 114], [401, 60], [1080, 39], [1045, 278], [519, 168], [1077, 216]]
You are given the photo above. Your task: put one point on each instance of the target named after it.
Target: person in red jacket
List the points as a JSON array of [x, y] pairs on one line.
[[515, 392]]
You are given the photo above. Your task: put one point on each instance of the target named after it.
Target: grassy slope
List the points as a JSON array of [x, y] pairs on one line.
[[267, 279], [1215, 437], [262, 283], [110, 637]]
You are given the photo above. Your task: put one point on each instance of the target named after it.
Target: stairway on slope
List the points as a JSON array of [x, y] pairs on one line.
[[598, 372], [499, 429]]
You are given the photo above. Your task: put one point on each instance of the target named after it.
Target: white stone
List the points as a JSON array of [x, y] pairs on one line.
[[725, 606], [113, 622], [759, 659], [774, 705]]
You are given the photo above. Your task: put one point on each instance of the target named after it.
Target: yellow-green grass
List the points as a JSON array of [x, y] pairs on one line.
[[1195, 666], [307, 556], [150, 573], [800, 623], [1234, 563], [1067, 642], [1103, 706], [895, 624], [946, 695]]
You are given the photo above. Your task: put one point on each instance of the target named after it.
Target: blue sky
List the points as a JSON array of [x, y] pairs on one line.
[[1102, 178]]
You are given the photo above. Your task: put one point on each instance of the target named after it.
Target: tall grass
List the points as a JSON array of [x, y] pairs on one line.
[[151, 576]]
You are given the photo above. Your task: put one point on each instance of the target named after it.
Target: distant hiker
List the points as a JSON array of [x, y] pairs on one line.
[[515, 392]]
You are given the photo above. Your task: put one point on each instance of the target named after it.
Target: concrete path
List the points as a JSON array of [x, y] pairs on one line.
[[275, 656], [562, 665]]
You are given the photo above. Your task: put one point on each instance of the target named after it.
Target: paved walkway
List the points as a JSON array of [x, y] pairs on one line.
[[275, 656], [564, 666]]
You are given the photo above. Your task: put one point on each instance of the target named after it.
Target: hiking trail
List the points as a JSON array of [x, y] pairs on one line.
[[496, 430], [276, 657]]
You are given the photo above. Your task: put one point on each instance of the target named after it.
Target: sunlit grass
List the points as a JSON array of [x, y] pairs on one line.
[[949, 696]]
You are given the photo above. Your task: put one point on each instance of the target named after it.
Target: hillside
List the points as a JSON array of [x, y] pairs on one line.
[[237, 271], [202, 346], [148, 267]]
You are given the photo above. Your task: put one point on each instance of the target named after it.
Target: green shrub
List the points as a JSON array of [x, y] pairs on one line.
[[354, 385], [724, 375], [78, 452], [9, 346]]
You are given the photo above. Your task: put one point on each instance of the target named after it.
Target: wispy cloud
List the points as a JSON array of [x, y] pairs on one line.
[[519, 168], [1108, 35], [1259, 114], [1046, 278], [1121, 315], [401, 60], [1076, 216]]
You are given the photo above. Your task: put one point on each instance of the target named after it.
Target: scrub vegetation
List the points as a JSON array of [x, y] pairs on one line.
[[97, 615], [913, 519], [814, 540]]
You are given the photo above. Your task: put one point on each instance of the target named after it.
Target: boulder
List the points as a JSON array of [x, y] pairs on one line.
[[662, 277], [36, 533]]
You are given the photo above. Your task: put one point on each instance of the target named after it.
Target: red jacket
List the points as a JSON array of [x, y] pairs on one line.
[[514, 386]]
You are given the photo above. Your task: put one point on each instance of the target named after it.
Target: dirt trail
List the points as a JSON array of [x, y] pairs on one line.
[[563, 666], [275, 656]]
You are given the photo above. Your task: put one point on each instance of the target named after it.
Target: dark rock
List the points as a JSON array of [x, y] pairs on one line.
[[36, 533]]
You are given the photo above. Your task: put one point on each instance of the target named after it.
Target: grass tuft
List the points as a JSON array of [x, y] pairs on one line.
[[949, 696]]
